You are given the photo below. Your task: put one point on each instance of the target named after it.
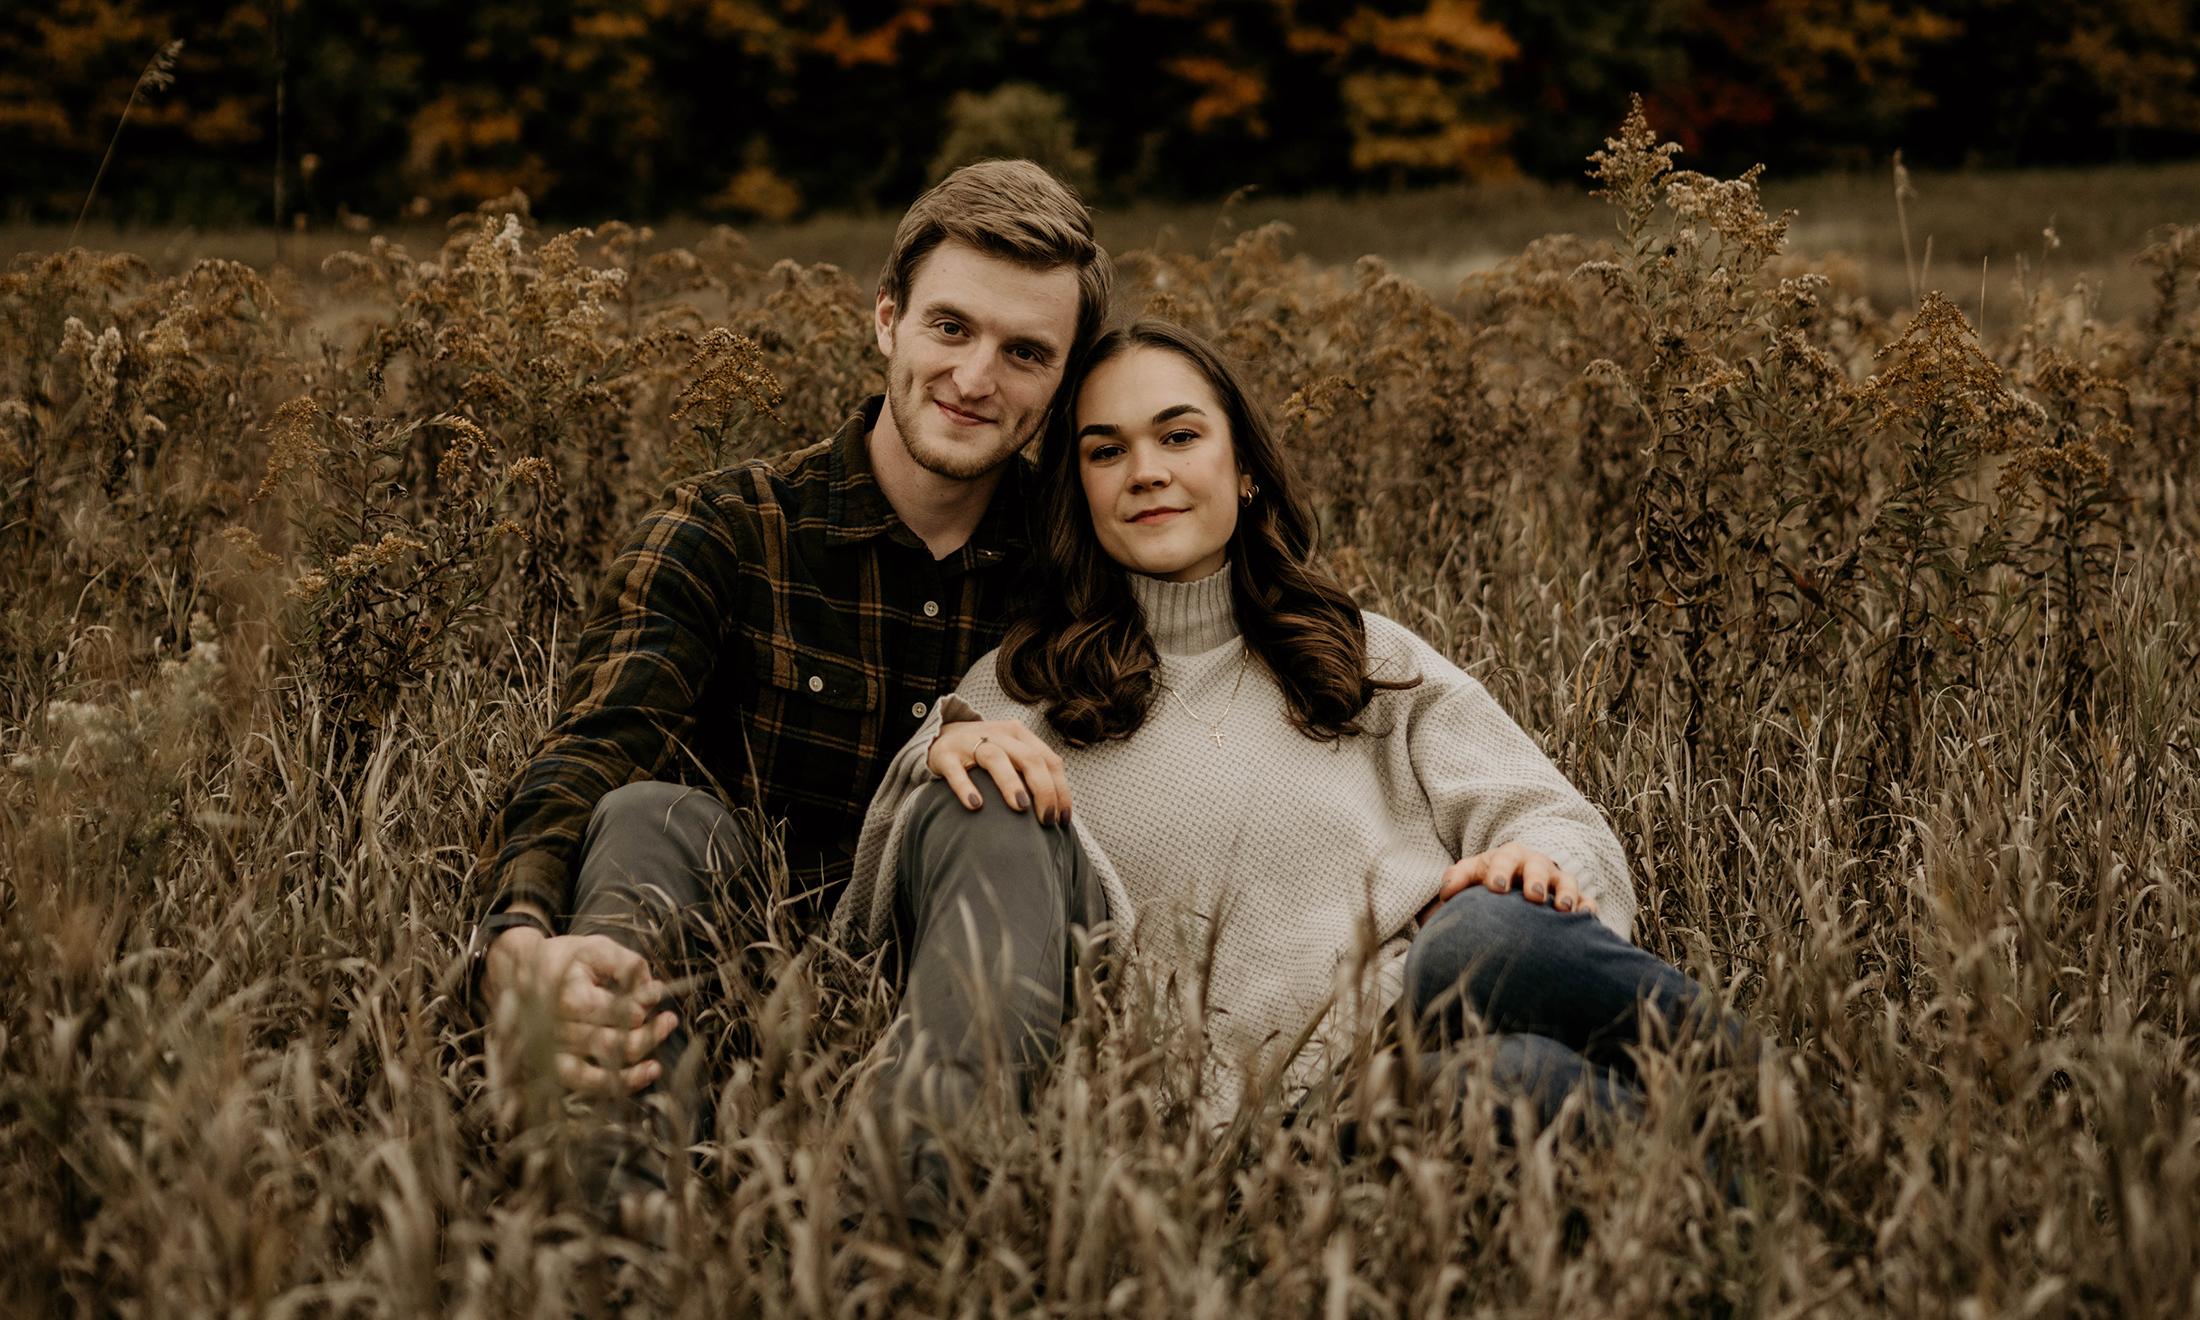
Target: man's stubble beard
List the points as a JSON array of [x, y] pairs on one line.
[[903, 399]]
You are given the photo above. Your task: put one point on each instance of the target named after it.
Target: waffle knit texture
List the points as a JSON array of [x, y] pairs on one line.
[[1288, 856]]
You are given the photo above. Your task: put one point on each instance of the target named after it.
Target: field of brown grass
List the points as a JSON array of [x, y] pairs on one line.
[[1985, 230], [1874, 637]]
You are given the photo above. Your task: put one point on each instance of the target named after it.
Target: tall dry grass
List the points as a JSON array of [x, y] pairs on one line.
[[1875, 641]]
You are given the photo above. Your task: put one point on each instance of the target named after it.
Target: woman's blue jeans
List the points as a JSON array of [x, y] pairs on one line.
[[1564, 996]]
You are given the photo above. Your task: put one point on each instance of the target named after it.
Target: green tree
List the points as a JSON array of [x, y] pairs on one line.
[[1015, 120]]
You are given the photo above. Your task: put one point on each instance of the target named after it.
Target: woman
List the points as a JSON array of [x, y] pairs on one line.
[[1304, 814]]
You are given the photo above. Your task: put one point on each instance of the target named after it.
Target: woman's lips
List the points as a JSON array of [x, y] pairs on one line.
[[1151, 516]]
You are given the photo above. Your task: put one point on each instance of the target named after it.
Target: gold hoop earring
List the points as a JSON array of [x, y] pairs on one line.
[[1245, 500]]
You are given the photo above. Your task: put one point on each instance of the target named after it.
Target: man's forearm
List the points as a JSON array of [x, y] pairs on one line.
[[652, 645], [528, 908], [530, 870]]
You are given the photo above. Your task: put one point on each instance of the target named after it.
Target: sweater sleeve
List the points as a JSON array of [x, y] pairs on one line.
[[1488, 784], [862, 918]]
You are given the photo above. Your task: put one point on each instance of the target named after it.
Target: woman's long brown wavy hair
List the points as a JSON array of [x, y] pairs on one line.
[[1083, 652]]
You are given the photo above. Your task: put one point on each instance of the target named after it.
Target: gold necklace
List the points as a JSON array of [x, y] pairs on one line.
[[1213, 726]]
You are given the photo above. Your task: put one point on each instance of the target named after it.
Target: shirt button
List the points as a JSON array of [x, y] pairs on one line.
[[918, 710], [931, 609], [816, 684]]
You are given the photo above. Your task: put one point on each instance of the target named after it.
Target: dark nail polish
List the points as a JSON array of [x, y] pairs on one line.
[[1022, 802]]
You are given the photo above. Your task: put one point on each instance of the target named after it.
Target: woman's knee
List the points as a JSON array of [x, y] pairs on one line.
[[1480, 938], [1470, 929], [1486, 915]]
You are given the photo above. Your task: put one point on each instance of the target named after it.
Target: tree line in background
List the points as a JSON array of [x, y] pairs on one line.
[[766, 109]]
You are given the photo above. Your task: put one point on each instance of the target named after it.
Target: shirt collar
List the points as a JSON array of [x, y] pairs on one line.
[[858, 511]]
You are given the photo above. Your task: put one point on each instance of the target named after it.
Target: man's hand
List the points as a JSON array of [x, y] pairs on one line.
[[1027, 770], [1540, 879], [597, 992]]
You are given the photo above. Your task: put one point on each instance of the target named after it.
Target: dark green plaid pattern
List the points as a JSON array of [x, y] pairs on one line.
[[775, 633]]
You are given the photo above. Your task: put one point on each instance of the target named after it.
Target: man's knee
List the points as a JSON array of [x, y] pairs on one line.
[[934, 802], [658, 846], [937, 808], [950, 852], [651, 804], [649, 812]]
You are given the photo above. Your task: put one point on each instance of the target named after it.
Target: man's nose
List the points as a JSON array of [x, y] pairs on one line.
[[973, 374]]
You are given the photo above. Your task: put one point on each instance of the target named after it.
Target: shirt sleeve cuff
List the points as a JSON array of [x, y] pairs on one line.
[[537, 876]]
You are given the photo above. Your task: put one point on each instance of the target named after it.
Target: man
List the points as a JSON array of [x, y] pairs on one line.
[[778, 631]]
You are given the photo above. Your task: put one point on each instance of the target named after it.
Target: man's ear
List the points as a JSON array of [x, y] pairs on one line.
[[882, 321]]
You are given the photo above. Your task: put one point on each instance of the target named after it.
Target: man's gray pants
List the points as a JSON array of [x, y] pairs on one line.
[[988, 907], [655, 862]]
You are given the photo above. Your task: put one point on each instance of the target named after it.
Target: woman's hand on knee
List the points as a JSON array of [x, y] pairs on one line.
[[1028, 772], [598, 996], [1541, 880]]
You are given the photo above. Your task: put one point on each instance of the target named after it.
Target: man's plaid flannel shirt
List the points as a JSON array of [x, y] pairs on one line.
[[776, 631]]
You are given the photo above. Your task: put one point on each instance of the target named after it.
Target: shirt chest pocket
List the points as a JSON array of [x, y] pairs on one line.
[[814, 729], [819, 672]]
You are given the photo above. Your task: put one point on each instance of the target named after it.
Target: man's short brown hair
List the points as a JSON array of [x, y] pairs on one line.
[[1011, 209]]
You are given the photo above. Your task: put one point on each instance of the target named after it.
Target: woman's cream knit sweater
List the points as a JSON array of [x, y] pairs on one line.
[[1292, 857]]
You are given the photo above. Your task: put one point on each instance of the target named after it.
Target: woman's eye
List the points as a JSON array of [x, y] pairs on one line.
[[1179, 437], [1102, 453]]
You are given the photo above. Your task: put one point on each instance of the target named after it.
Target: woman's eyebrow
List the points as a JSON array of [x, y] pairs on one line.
[[1170, 413]]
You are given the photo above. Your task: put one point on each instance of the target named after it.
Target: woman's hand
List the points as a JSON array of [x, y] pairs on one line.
[[1540, 879], [1027, 771]]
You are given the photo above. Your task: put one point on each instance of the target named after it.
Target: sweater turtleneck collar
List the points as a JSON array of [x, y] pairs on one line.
[[1186, 618]]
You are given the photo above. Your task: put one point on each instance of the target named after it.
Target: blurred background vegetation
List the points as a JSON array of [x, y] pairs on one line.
[[764, 111]]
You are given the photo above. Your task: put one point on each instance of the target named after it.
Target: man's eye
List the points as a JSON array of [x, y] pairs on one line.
[[1028, 356], [952, 329]]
